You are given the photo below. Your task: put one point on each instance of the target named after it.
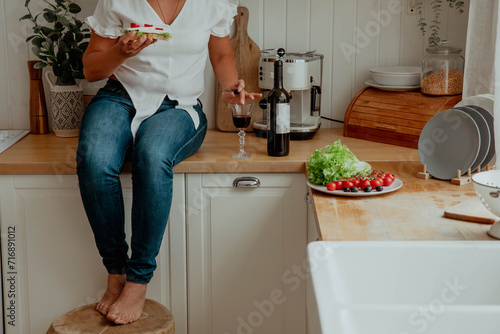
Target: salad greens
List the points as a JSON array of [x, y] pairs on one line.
[[336, 162]]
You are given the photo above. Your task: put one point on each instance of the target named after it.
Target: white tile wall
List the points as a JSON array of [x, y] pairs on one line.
[[353, 35]]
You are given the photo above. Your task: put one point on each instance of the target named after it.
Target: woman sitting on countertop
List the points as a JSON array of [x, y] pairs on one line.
[[149, 103]]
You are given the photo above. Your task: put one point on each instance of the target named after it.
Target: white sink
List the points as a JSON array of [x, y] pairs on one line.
[[432, 287]]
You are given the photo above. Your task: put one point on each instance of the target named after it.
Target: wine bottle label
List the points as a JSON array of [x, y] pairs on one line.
[[268, 114], [282, 118]]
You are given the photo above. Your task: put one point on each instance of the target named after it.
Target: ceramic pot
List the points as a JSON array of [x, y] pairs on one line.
[[67, 107]]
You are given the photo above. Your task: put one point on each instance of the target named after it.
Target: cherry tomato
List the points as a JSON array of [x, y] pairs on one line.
[[338, 185], [363, 184], [347, 184], [388, 181], [355, 182], [331, 186], [375, 183], [390, 175]]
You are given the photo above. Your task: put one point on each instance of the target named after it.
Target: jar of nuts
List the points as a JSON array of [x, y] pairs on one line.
[[442, 70]]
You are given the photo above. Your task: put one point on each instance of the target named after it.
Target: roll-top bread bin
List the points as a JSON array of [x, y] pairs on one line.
[[393, 117]]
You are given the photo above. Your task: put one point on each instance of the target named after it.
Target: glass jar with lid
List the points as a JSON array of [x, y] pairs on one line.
[[442, 70]]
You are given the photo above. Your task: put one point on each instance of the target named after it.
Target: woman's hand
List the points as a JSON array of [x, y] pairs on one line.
[[129, 47], [236, 94], [104, 55]]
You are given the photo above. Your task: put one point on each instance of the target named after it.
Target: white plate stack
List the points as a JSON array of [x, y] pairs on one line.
[[459, 138], [395, 78]]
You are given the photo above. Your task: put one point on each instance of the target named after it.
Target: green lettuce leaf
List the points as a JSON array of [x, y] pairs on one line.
[[336, 162]]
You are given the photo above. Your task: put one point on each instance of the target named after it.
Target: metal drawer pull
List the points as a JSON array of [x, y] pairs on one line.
[[246, 182]]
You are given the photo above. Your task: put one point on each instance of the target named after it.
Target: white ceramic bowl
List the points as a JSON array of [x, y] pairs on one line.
[[487, 186], [396, 75]]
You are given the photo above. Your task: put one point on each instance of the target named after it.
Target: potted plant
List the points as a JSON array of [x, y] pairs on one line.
[[436, 9], [59, 40]]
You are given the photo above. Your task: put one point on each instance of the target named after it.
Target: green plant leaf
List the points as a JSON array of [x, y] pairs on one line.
[[84, 46], [74, 8], [36, 50], [37, 41], [50, 17], [79, 37], [40, 65], [26, 17], [64, 21], [68, 38], [63, 47], [45, 30]]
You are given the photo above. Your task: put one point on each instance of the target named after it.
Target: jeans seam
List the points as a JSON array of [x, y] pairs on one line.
[[198, 132]]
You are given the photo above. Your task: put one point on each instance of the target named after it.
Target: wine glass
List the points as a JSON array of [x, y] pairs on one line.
[[241, 120]]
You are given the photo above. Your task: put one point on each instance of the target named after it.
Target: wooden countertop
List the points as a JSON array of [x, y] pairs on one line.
[[48, 154], [414, 212]]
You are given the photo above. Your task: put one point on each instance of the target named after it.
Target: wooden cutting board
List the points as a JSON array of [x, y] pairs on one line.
[[247, 54], [471, 210]]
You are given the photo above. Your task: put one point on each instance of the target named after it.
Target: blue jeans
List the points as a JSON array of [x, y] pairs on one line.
[[162, 141]]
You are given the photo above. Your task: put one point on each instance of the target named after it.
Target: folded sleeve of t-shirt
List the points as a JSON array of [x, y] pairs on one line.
[[106, 22], [225, 13]]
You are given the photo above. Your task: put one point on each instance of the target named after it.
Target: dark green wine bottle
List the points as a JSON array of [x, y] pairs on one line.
[[278, 113]]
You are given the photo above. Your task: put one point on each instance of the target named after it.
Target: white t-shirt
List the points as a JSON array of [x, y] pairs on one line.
[[175, 67]]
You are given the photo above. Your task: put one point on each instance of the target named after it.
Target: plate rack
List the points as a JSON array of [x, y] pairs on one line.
[[459, 180]]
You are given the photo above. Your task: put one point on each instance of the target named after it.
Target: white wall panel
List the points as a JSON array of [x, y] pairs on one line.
[[321, 40], [412, 45], [368, 33], [255, 26], [17, 70], [343, 58], [4, 84], [457, 24], [335, 28], [274, 23], [388, 18], [298, 28]]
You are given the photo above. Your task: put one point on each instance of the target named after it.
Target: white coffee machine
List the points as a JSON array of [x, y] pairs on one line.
[[302, 75]]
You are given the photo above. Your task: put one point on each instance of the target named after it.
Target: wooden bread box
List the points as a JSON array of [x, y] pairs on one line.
[[393, 117]]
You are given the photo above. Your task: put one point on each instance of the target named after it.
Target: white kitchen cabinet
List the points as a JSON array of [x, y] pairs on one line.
[[246, 254], [50, 262]]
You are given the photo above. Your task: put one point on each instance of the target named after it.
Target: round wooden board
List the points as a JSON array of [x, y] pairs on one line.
[[155, 319]]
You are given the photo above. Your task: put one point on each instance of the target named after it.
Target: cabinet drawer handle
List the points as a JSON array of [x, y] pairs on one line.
[[246, 182]]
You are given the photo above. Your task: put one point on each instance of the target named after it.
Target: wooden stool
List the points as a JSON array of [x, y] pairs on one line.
[[155, 319]]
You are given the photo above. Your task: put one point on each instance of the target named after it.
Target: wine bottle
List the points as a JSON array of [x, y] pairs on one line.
[[278, 113]]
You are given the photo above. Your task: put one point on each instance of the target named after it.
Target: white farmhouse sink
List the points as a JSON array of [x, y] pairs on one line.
[[432, 287]]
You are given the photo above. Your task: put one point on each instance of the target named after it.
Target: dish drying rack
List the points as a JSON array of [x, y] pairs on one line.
[[460, 179]]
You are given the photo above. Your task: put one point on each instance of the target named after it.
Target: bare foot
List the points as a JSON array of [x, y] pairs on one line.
[[113, 291], [128, 307]]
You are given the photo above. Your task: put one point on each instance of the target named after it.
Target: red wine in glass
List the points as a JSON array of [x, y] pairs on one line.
[[242, 114], [241, 121]]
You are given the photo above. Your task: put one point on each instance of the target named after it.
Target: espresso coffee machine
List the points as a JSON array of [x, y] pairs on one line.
[[302, 75]]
